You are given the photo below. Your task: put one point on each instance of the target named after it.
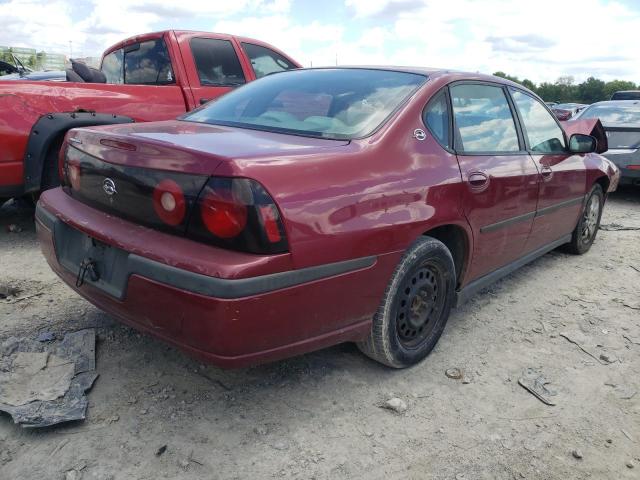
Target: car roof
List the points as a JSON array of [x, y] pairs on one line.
[[429, 72], [614, 103], [161, 33]]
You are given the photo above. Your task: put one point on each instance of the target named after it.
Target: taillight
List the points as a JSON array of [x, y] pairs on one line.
[[169, 202], [223, 216], [239, 214], [72, 171]]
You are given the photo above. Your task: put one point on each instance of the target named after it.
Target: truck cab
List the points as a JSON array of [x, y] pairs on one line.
[[150, 77]]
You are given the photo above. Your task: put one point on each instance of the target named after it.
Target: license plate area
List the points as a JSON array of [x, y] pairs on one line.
[[110, 263]]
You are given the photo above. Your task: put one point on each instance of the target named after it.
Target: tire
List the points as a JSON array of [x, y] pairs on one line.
[[50, 173], [585, 232], [415, 306]]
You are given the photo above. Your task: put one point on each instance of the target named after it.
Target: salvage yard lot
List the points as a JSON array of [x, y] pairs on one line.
[[319, 415]]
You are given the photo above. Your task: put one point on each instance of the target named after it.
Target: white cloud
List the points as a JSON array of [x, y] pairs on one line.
[[540, 41]]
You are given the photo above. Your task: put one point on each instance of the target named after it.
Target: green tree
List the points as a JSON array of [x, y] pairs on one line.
[[616, 85], [508, 77], [529, 84], [591, 90], [550, 92]]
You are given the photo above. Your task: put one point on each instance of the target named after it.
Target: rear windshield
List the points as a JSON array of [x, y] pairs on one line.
[[621, 115], [329, 103], [626, 95]]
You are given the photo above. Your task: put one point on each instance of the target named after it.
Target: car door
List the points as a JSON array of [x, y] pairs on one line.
[[563, 174], [500, 178]]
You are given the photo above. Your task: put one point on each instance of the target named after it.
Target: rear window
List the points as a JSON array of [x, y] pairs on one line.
[[216, 62], [329, 103], [626, 96], [620, 114], [265, 61]]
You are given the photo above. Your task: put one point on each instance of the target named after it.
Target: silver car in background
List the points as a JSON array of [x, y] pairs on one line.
[[621, 122]]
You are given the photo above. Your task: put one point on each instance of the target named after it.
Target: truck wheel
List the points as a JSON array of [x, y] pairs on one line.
[[50, 174], [585, 232], [415, 306]]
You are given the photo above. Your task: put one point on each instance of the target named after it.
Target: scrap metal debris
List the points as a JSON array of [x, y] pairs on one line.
[[7, 291], [43, 384], [616, 227], [536, 385], [395, 404]]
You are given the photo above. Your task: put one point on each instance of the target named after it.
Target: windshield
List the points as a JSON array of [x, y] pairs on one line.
[[329, 103], [627, 114]]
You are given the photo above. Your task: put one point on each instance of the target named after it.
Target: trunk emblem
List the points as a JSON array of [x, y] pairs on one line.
[[109, 187]]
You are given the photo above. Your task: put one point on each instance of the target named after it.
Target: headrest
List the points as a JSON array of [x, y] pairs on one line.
[[73, 76], [83, 70]]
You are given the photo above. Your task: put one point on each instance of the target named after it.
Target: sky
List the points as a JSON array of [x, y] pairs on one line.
[[536, 39]]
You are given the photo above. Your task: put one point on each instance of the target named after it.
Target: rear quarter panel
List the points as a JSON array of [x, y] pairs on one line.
[[374, 196]]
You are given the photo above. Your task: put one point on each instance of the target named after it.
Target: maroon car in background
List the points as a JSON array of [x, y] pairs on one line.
[[320, 206], [566, 111]]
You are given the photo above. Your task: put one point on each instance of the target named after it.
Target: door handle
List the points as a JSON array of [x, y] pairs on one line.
[[478, 180], [547, 172]]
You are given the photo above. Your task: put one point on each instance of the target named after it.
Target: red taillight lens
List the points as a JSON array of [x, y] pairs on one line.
[[238, 213], [169, 203], [222, 214]]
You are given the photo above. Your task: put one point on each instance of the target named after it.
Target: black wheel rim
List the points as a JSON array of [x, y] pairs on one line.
[[420, 303]]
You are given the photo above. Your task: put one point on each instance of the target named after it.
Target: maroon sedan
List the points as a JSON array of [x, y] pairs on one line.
[[320, 206]]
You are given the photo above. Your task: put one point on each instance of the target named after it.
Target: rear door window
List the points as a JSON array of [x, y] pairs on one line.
[[217, 62], [483, 119], [265, 61], [148, 63], [540, 128]]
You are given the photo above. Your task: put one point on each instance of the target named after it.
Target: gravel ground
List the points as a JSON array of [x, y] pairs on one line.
[[319, 416]]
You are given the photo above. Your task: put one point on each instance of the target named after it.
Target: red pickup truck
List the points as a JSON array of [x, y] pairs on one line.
[[156, 76]]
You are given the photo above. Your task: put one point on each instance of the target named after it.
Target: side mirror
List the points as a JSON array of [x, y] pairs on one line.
[[579, 143]]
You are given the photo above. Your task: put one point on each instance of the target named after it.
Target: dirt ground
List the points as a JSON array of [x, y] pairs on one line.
[[319, 416]]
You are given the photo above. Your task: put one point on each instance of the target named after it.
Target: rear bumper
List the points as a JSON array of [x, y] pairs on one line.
[[623, 161], [628, 176], [231, 322]]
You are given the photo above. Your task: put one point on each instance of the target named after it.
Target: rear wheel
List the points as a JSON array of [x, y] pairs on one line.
[[415, 306], [585, 232]]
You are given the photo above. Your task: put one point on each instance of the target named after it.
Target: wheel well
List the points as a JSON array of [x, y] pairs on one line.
[[47, 132], [455, 239], [604, 183]]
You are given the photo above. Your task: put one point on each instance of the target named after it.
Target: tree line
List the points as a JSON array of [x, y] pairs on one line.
[[565, 90]]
